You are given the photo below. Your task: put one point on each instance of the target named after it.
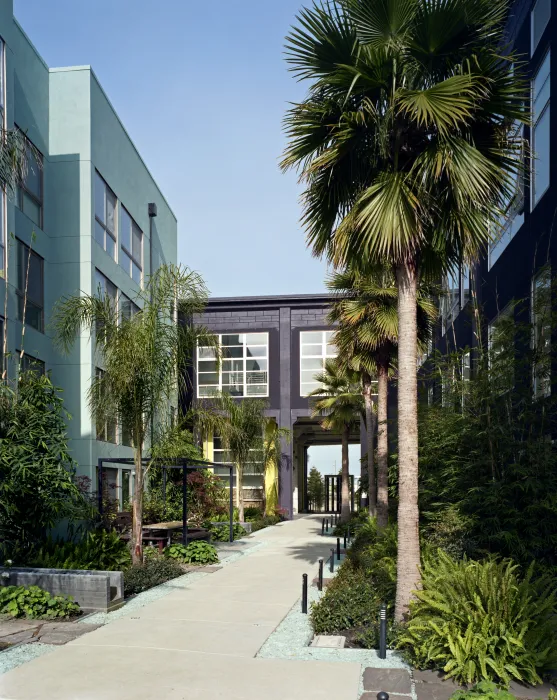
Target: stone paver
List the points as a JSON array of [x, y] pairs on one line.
[[32, 631], [390, 680], [199, 642]]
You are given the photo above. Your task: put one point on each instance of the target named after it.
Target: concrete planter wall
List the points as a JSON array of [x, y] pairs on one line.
[[95, 591]]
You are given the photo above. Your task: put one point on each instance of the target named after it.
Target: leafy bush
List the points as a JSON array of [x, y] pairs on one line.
[[37, 486], [98, 550], [266, 521], [481, 621], [252, 513], [33, 602], [220, 533], [350, 601], [152, 572], [197, 552], [485, 690], [375, 553]]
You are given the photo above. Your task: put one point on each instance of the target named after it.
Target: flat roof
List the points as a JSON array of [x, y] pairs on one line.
[[273, 300]]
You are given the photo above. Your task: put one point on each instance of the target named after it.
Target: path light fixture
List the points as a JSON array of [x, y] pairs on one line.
[[305, 594], [383, 632], [320, 578]]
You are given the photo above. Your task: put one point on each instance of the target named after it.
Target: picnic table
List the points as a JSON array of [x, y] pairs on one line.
[[162, 530]]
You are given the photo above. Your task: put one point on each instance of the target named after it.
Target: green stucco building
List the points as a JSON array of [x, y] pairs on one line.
[[90, 214]]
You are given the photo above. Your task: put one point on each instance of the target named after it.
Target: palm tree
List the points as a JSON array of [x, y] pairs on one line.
[[274, 437], [143, 357], [241, 424], [339, 403], [365, 309], [405, 145]]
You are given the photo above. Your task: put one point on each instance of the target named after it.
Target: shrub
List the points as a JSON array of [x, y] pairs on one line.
[[220, 533], [197, 552], [266, 521], [481, 621], [375, 553], [98, 550], [152, 572], [350, 601], [252, 513], [485, 690], [33, 602]]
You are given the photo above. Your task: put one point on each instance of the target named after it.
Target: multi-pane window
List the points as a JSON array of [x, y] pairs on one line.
[[541, 333], [2, 233], [512, 214], [104, 287], [2, 80], [131, 253], [465, 286], [105, 216], [253, 467], [450, 300], [541, 93], [316, 347], [33, 364], [30, 191], [501, 349], [106, 430], [128, 308], [243, 368], [30, 287], [539, 17]]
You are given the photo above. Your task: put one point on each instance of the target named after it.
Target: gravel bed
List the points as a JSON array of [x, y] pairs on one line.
[[18, 655]]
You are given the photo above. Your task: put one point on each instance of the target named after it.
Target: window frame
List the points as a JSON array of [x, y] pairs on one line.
[[535, 197], [104, 430], [533, 46], [29, 361], [323, 357], [22, 189], [129, 253], [541, 387], [3, 82], [219, 387], [20, 293], [107, 232]]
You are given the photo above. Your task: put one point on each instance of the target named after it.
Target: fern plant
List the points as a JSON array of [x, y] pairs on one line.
[[478, 620]]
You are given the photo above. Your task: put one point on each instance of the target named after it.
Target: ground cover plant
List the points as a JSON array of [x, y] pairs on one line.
[[197, 552], [154, 571], [34, 603], [482, 620], [99, 550]]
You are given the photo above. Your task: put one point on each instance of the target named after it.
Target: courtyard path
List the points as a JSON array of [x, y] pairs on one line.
[[200, 641]]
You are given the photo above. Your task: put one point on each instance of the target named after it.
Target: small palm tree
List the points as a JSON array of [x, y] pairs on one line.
[[365, 309], [144, 357], [338, 401]]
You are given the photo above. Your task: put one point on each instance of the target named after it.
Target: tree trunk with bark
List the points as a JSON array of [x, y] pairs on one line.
[[345, 507], [370, 431], [137, 511], [382, 445], [408, 560]]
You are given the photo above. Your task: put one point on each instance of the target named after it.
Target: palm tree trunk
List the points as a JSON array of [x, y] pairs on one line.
[[408, 560], [370, 430], [345, 508], [137, 510], [382, 446], [240, 492]]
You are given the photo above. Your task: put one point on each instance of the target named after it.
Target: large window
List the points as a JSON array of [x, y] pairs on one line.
[[316, 347], [33, 364], [2, 81], [541, 93], [131, 253], [450, 301], [30, 287], [107, 431], [243, 368], [502, 349], [541, 333], [105, 216], [512, 216], [30, 192], [104, 287], [253, 467], [539, 17], [2, 233], [128, 308]]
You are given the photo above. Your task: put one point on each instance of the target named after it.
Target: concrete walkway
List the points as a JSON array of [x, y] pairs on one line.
[[199, 642]]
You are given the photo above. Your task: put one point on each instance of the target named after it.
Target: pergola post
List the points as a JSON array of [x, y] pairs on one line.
[[231, 510]]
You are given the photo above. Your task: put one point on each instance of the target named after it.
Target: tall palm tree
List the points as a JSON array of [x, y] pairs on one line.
[[365, 309], [405, 144], [241, 425], [339, 403], [143, 355]]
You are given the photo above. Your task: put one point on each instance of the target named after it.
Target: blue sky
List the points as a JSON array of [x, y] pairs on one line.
[[202, 89]]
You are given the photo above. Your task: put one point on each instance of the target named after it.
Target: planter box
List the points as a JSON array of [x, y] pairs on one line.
[[95, 591]]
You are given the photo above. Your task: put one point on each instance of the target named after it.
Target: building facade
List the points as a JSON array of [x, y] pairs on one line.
[[89, 215], [272, 348], [523, 252]]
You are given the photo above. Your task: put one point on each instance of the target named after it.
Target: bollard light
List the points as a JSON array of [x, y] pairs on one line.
[[320, 578], [323, 526], [305, 594], [332, 565], [383, 632], [338, 548], [382, 695]]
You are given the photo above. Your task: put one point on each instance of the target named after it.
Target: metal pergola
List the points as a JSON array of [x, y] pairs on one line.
[[184, 464]]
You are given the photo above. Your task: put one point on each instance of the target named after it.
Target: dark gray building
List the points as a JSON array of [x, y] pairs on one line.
[[272, 349]]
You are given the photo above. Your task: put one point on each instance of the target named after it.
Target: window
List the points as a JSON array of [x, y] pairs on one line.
[[3, 227], [465, 286], [541, 333], [316, 347], [541, 93], [2, 81], [131, 239], [107, 430], [243, 369], [30, 192], [253, 467], [105, 216], [1, 349], [501, 349], [451, 299], [127, 307], [104, 287], [126, 487], [33, 364], [30, 287], [466, 374], [539, 17]]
